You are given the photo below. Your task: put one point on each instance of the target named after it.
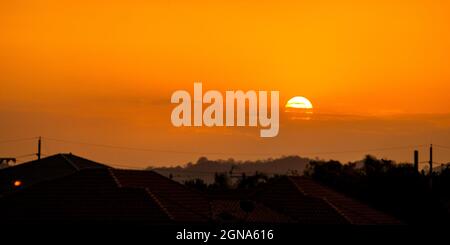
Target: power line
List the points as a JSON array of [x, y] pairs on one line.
[[227, 153], [161, 150], [366, 150], [211, 153], [26, 155], [143, 149], [443, 147], [16, 140], [224, 153]]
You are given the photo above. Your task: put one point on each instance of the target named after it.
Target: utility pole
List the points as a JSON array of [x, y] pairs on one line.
[[416, 161], [431, 159], [39, 149], [431, 167]]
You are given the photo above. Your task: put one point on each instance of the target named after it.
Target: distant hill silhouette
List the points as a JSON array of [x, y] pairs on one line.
[[205, 168]]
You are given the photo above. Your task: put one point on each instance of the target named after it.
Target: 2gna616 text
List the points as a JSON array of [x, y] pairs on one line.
[[246, 234]]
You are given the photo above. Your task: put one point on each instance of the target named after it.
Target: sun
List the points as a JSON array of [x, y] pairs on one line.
[[299, 102]]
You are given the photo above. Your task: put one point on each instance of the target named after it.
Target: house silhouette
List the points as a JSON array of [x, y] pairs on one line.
[[65, 188], [309, 202]]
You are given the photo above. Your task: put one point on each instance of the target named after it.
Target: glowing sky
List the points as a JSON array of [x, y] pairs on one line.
[[103, 71]]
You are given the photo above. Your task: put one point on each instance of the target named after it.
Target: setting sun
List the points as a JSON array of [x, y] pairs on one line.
[[299, 102]]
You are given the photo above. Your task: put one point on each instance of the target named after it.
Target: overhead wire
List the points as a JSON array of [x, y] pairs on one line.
[[229, 153]]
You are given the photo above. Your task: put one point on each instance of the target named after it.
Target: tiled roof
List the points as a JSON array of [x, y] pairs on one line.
[[284, 197], [69, 188], [354, 211], [87, 195], [180, 201], [309, 202], [42, 170]]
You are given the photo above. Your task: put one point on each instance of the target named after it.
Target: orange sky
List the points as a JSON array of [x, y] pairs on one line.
[[103, 71]]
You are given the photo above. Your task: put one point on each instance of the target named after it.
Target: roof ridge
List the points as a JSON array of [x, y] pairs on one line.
[[340, 212], [160, 205], [297, 186], [328, 202], [116, 180], [86, 159], [69, 161]]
